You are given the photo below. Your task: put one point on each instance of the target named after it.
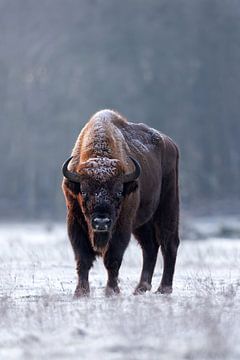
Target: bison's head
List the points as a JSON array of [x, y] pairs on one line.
[[101, 185]]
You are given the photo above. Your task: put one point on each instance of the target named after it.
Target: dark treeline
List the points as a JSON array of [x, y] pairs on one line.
[[171, 64]]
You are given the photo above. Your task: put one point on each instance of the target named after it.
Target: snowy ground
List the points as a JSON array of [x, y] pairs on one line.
[[40, 320]]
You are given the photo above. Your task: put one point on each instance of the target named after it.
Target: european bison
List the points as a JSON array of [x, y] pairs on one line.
[[122, 179]]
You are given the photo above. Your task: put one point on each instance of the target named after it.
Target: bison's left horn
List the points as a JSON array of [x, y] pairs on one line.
[[71, 176], [135, 174]]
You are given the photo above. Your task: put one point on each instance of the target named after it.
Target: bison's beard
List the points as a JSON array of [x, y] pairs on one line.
[[100, 241]]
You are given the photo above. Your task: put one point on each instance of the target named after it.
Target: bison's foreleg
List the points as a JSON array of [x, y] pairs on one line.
[[84, 255], [113, 260], [146, 238]]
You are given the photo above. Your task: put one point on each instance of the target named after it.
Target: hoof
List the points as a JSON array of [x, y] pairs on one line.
[[142, 288], [81, 292], [110, 291], [164, 290]]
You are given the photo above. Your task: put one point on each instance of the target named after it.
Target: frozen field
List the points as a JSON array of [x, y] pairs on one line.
[[40, 320]]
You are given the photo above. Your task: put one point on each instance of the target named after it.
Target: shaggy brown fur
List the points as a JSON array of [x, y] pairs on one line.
[[148, 206]]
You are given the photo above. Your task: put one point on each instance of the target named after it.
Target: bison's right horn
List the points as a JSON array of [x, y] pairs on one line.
[[135, 174], [71, 176]]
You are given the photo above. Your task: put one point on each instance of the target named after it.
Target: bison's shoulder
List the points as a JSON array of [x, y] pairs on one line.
[[152, 145], [143, 137]]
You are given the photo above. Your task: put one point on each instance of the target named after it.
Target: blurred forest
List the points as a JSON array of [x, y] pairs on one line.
[[171, 64]]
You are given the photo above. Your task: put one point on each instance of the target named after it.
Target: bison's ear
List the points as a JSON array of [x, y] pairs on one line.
[[72, 187], [130, 187]]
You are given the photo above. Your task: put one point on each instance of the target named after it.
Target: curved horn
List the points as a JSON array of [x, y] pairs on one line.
[[135, 174], [71, 176]]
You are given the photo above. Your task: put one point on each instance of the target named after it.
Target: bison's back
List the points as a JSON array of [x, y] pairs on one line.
[[158, 156], [151, 147], [108, 134]]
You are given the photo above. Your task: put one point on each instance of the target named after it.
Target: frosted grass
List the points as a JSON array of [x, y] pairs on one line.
[[40, 319]]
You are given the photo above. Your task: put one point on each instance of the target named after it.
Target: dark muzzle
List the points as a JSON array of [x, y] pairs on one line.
[[101, 224]]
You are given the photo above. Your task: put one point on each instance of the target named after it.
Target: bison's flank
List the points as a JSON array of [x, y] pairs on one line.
[[122, 179]]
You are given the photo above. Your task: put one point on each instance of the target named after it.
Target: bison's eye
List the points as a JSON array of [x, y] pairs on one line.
[[84, 195], [119, 194]]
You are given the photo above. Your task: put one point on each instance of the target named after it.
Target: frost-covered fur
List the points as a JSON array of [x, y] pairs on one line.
[[101, 169], [101, 138]]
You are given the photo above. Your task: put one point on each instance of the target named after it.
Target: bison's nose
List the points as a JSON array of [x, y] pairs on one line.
[[101, 224]]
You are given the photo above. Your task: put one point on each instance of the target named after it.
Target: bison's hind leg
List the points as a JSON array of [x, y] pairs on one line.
[[169, 253], [166, 222], [145, 235]]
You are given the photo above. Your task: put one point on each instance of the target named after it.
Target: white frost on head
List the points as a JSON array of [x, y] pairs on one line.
[[102, 168]]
